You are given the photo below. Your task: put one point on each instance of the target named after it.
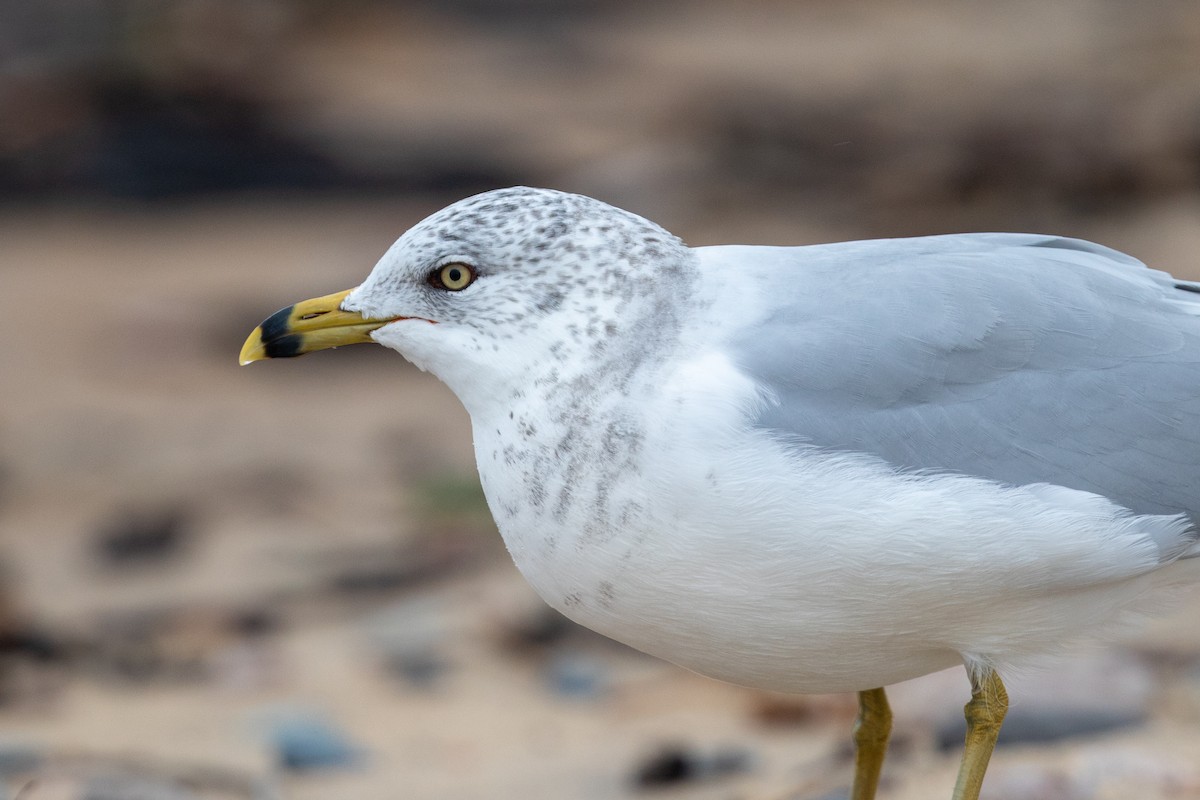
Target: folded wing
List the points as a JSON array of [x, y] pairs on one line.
[[1014, 357]]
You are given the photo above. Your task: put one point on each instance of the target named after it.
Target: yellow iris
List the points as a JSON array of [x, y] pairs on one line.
[[455, 277]]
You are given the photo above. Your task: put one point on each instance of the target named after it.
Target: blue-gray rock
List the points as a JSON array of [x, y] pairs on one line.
[[17, 758], [576, 675], [306, 742]]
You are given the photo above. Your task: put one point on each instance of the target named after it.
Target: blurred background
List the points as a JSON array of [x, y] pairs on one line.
[[282, 582]]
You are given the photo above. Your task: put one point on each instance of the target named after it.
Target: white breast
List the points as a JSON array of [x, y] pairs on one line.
[[710, 545]]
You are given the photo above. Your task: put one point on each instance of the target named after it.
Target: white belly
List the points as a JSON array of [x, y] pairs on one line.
[[713, 546], [743, 624]]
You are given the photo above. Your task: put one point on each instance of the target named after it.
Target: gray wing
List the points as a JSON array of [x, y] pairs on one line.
[[1014, 357]]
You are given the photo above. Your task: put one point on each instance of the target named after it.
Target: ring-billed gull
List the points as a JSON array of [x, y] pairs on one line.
[[811, 469]]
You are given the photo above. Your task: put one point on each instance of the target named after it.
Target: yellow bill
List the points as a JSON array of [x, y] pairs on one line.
[[316, 324]]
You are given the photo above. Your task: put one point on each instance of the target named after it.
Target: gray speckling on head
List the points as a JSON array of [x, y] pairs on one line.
[[573, 303], [592, 283]]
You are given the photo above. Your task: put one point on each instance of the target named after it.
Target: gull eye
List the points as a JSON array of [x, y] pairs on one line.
[[452, 277]]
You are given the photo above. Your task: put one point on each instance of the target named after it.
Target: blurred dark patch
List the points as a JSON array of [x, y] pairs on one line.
[[542, 627], [33, 657], [152, 101], [175, 645], [1039, 726], [143, 537], [541, 633], [760, 137], [34, 664], [678, 764], [420, 669], [33, 643], [131, 649], [386, 571], [165, 100], [156, 142], [1030, 150], [1165, 659], [530, 17], [148, 142], [375, 578], [784, 711], [1071, 147], [255, 623]]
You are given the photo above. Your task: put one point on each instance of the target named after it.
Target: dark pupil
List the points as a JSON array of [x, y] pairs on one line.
[[455, 274]]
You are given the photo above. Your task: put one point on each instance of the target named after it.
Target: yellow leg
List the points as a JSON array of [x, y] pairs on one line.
[[871, 731], [985, 713]]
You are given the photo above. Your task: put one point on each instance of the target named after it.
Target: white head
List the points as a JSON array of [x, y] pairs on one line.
[[519, 283]]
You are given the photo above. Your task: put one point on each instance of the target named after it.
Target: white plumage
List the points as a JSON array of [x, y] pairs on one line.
[[812, 469], [747, 551]]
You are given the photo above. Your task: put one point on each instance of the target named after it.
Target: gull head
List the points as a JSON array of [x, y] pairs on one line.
[[501, 289]]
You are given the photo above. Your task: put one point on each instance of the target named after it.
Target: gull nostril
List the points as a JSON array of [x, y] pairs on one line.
[[313, 315]]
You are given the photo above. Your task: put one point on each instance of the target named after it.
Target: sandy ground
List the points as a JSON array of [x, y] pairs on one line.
[[314, 588]]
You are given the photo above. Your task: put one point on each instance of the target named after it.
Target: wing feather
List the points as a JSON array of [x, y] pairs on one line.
[[1015, 357]]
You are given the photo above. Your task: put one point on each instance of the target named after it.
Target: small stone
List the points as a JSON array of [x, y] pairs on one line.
[[539, 627], [674, 765], [255, 623], [576, 675], [305, 742], [142, 537], [420, 669], [409, 638]]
